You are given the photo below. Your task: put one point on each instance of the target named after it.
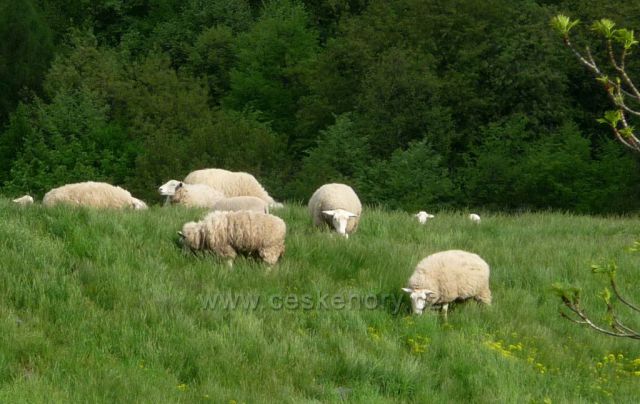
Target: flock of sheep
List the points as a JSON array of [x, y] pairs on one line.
[[239, 222]]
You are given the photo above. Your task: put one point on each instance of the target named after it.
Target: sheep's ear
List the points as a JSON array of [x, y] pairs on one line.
[[181, 234], [329, 212], [429, 292], [351, 214], [408, 290]]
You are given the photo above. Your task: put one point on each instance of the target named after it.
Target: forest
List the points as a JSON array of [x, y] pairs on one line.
[[418, 104]]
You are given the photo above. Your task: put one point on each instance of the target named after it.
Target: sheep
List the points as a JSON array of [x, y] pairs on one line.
[[446, 276], [192, 195], [238, 203], [336, 205], [24, 200], [423, 216], [94, 194], [231, 183], [474, 217], [228, 233]]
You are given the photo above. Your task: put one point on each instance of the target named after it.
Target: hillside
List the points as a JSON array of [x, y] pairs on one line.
[[105, 307]]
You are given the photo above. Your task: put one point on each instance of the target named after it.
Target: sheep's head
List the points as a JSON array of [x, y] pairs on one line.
[[169, 188], [423, 216], [339, 219], [191, 236], [420, 299], [138, 204]]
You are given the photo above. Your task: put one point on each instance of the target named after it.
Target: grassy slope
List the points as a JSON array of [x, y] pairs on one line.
[[103, 306]]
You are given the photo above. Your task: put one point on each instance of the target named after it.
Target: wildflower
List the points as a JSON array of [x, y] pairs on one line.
[[182, 387]]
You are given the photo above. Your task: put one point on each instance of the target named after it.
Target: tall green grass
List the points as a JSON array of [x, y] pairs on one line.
[[102, 306]]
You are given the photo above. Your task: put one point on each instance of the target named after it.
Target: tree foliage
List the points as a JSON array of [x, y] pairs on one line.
[[418, 104]]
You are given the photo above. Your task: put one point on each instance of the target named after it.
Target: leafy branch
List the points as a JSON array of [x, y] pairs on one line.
[[614, 326], [620, 88]]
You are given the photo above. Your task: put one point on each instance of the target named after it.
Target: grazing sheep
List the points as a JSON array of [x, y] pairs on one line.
[[192, 195], [228, 233], [474, 218], [237, 203], [94, 194], [24, 200], [336, 205], [231, 183], [423, 216], [446, 276]]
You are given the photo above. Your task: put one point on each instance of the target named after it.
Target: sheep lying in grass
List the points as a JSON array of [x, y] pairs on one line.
[[94, 194], [192, 195], [227, 234], [238, 203], [423, 216], [24, 200], [474, 217], [446, 276], [231, 183], [336, 205]]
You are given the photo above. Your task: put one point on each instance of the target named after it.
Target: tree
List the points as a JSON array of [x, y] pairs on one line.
[[615, 326], [615, 79], [25, 51]]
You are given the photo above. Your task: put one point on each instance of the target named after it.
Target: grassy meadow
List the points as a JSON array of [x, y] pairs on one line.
[[103, 306]]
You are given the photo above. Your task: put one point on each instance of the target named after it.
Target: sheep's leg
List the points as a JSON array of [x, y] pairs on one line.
[[445, 308], [270, 255], [227, 252]]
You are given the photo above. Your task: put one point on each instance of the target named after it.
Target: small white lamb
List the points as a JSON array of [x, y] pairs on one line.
[[24, 200], [474, 217], [446, 276], [227, 234], [423, 216]]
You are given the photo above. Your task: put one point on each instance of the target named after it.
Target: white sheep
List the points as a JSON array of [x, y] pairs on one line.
[[192, 195], [336, 205], [231, 183], [446, 276], [24, 200], [474, 217], [237, 203], [94, 194], [228, 233], [423, 216]]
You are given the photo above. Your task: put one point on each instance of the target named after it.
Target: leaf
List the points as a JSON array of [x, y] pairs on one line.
[[604, 27], [611, 117], [563, 24], [625, 37]]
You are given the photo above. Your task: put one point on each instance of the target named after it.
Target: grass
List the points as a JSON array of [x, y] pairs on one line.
[[104, 307]]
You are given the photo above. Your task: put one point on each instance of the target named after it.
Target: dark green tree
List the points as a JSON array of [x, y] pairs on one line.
[[26, 50]]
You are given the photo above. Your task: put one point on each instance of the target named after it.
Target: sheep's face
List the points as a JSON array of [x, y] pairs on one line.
[[423, 216], [190, 236], [169, 188], [420, 299], [339, 219]]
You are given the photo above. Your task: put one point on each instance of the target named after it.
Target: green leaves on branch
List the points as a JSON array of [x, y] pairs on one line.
[[604, 27], [612, 118], [568, 294], [563, 24], [625, 37]]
